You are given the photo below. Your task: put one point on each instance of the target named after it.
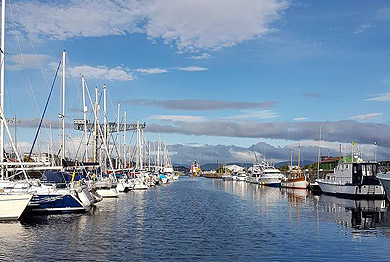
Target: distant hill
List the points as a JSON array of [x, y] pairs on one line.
[[181, 168], [303, 163], [212, 166]]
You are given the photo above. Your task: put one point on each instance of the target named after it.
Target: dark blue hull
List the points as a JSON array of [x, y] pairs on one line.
[[55, 204]]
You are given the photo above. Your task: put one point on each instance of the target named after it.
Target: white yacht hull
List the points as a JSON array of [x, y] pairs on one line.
[[107, 192], [13, 205], [385, 182], [270, 181], [352, 191], [241, 178], [297, 183]]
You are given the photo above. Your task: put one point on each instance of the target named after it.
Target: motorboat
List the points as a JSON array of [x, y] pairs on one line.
[[353, 179]]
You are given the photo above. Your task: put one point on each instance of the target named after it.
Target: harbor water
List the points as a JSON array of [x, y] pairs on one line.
[[207, 220]]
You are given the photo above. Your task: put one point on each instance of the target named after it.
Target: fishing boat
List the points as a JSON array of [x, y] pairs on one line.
[[353, 178], [195, 170]]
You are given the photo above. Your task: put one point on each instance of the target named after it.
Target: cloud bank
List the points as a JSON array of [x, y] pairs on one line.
[[189, 24], [199, 104]]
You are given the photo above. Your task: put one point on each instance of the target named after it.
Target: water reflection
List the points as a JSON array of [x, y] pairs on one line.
[[357, 214], [210, 220]]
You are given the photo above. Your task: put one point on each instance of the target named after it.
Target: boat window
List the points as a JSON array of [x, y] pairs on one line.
[[364, 170], [354, 169]]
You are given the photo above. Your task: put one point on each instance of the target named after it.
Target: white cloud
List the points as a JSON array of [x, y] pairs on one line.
[[242, 156], [367, 116], [152, 71], [184, 118], [102, 72], [263, 114], [195, 24], [362, 28], [383, 14], [201, 56], [193, 69], [83, 18], [26, 61], [381, 98], [190, 24], [300, 119]]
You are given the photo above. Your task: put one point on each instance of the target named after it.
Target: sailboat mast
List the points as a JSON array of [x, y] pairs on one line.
[[299, 156], [291, 158], [118, 144], [105, 131], [85, 109], [138, 150], [96, 127], [2, 84], [63, 105], [319, 156], [124, 138]]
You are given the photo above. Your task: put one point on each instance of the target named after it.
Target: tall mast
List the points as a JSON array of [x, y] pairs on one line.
[[51, 146], [299, 156], [141, 148], [124, 139], [105, 117], [138, 150], [118, 144], [319, 156], [291, 159], [158, 152], [85, 109], [2, 84], [96, 127], [63, 105]]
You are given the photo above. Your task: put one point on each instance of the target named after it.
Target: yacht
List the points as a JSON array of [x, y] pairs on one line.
[[12, 206], [353, 179], [271, 176], [227, 177], [241, 176]]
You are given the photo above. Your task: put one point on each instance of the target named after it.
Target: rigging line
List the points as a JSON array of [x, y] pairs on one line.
[[44, 111], [31, 44], [22, 57]]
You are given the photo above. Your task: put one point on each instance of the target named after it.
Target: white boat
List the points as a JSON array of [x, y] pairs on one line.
[[106, 188], [13, 205], [353, 180], [253, 177], [384, 179], [227, 177], [241, 177], [271, 176], [298, 181], [140, 184]]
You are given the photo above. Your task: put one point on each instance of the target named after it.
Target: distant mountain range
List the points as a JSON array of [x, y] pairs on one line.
[[212, 166]]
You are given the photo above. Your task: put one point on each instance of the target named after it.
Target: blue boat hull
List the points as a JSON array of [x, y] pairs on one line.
[[55, 204]]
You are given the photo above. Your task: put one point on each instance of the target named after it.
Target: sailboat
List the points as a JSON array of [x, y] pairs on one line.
[[296, 178], [12, 205]]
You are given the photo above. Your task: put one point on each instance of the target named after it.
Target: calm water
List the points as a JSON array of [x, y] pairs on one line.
[[205, 219]]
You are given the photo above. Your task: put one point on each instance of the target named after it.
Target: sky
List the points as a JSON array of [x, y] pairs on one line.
[[216, 79]]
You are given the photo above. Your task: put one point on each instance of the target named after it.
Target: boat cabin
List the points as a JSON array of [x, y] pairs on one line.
[[354, 173]]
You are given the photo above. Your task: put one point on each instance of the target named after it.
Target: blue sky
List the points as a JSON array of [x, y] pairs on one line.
[[289, 64]]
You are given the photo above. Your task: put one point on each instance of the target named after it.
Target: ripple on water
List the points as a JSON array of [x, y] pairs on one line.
[[207, 220]]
